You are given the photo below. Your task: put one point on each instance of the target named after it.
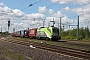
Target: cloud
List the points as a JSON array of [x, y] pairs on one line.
[[79, 2], [51, 11], [42, 10], [82, 10], [18, 13], [66, 9], [33, 19], [1, 4], [15, 16], [84, 15], [58, 14], [21, 20]]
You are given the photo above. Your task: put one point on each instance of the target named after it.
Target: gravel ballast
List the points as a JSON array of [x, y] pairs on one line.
[[35, 53]]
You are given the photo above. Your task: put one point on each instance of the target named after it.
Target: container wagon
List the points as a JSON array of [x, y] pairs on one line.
[[32, 33]]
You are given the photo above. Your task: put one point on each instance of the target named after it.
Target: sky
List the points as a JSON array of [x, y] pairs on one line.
[[24, 14]]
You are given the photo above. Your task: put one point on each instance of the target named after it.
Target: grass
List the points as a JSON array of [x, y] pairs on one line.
[[6, 54]]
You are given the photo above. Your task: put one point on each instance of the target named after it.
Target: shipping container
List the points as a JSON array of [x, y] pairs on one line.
[[18, 33], [22, 33], [32, 32]]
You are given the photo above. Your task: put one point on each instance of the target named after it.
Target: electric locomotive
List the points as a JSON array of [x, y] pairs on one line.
[[48, 33]]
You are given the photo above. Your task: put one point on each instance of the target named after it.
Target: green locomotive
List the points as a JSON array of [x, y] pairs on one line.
[[48, 33]]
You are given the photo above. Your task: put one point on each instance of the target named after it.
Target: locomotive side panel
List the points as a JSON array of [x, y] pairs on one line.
[[43, 33]]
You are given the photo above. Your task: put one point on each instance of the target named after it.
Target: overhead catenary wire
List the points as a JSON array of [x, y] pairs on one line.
[[31, 4], [35, 2]]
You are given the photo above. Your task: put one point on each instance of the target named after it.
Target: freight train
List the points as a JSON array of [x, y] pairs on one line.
[[47, 33]]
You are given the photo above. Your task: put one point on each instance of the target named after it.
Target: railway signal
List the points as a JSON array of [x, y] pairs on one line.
[[8, 25]]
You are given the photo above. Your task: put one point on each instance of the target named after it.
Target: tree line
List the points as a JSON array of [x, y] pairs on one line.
[[84, 34]]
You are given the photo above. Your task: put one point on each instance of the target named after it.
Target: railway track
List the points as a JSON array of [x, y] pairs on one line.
[[62, 50]]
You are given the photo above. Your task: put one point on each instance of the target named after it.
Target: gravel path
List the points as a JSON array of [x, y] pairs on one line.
[[35, 53]]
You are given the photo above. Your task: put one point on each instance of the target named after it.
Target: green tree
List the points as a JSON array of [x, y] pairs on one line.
[[72, 34]]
